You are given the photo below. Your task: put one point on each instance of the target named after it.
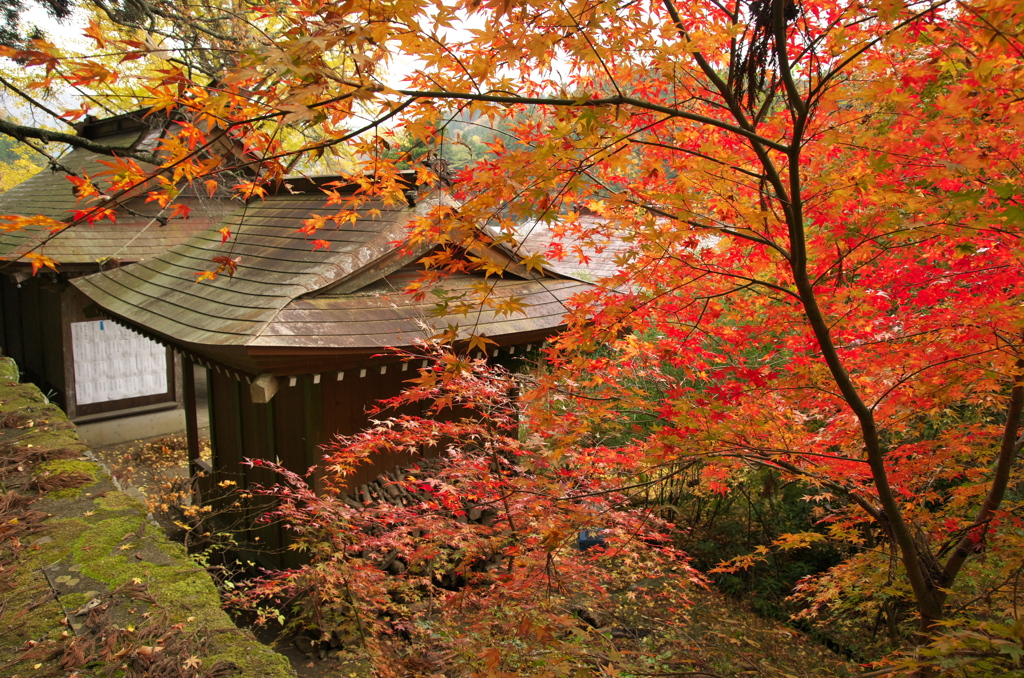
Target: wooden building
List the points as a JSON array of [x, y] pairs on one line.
[[294, 341], [91, 367]]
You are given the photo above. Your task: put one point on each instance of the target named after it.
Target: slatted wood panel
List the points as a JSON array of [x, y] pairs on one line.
[[291, 441], [53, 323], [345, 411], [32, 315], [37, 336], [291, 444], [240, 430], [258, 443], [226, 440]]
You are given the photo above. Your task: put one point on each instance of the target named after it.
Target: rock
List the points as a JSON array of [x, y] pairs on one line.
[[588, 617], [389, 559], [305, 646]]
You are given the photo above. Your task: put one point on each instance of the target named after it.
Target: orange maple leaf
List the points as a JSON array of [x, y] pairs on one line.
[[39, 261], [94, 31], [180, 210]]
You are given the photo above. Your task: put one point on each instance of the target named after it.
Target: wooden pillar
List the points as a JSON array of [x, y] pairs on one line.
[[312, 423], [188, 385], [71, 312]]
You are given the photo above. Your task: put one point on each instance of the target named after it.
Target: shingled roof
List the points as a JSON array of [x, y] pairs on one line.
[[132, 237], [585, 253], [288, 308]]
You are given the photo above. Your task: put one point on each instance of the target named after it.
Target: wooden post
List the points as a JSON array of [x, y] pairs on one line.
[[312, 396], [70, 312], [188, 384]]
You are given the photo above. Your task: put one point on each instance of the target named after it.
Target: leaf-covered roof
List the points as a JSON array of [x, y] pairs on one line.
[[136, 234], [285, 295], [586, 252]]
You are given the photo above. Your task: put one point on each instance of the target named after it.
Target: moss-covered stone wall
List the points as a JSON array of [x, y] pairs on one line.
[[88, 584]]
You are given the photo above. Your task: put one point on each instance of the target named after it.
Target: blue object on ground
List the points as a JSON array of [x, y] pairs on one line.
[[589, 539]]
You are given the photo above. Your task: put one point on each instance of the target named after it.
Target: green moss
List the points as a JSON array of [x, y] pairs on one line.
[[9, 370], [103, 537], [66, 493], [52, 440], [73, 601], [21, 396], [25, 587], [118, 501], [58, 466], [241, 648], [70, 466], [106, 561]]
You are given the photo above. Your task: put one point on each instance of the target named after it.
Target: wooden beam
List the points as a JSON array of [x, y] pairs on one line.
[[263, 388]]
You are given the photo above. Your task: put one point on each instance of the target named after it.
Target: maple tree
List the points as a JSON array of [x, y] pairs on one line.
[[483, 542], [821, 205]]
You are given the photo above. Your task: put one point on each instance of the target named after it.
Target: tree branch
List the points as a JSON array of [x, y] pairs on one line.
[[618, 100], [1010, 446], [22, 132]]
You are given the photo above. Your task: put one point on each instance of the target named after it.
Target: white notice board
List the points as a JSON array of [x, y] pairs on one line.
[[113, 363]]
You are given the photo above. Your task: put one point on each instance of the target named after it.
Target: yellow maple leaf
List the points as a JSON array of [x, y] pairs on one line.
[[480, 342]]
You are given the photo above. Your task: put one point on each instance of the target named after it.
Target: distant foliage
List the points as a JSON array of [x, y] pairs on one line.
[[17, 163]]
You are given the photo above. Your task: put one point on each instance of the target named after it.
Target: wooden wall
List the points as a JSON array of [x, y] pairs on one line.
[[240, 430], [32, 332], [298, 420], [345, 403]]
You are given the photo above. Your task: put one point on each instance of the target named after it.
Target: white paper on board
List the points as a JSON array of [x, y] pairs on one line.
[[112, 363]]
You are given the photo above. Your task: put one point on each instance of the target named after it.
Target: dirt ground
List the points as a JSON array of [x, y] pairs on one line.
[[146, 464]]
